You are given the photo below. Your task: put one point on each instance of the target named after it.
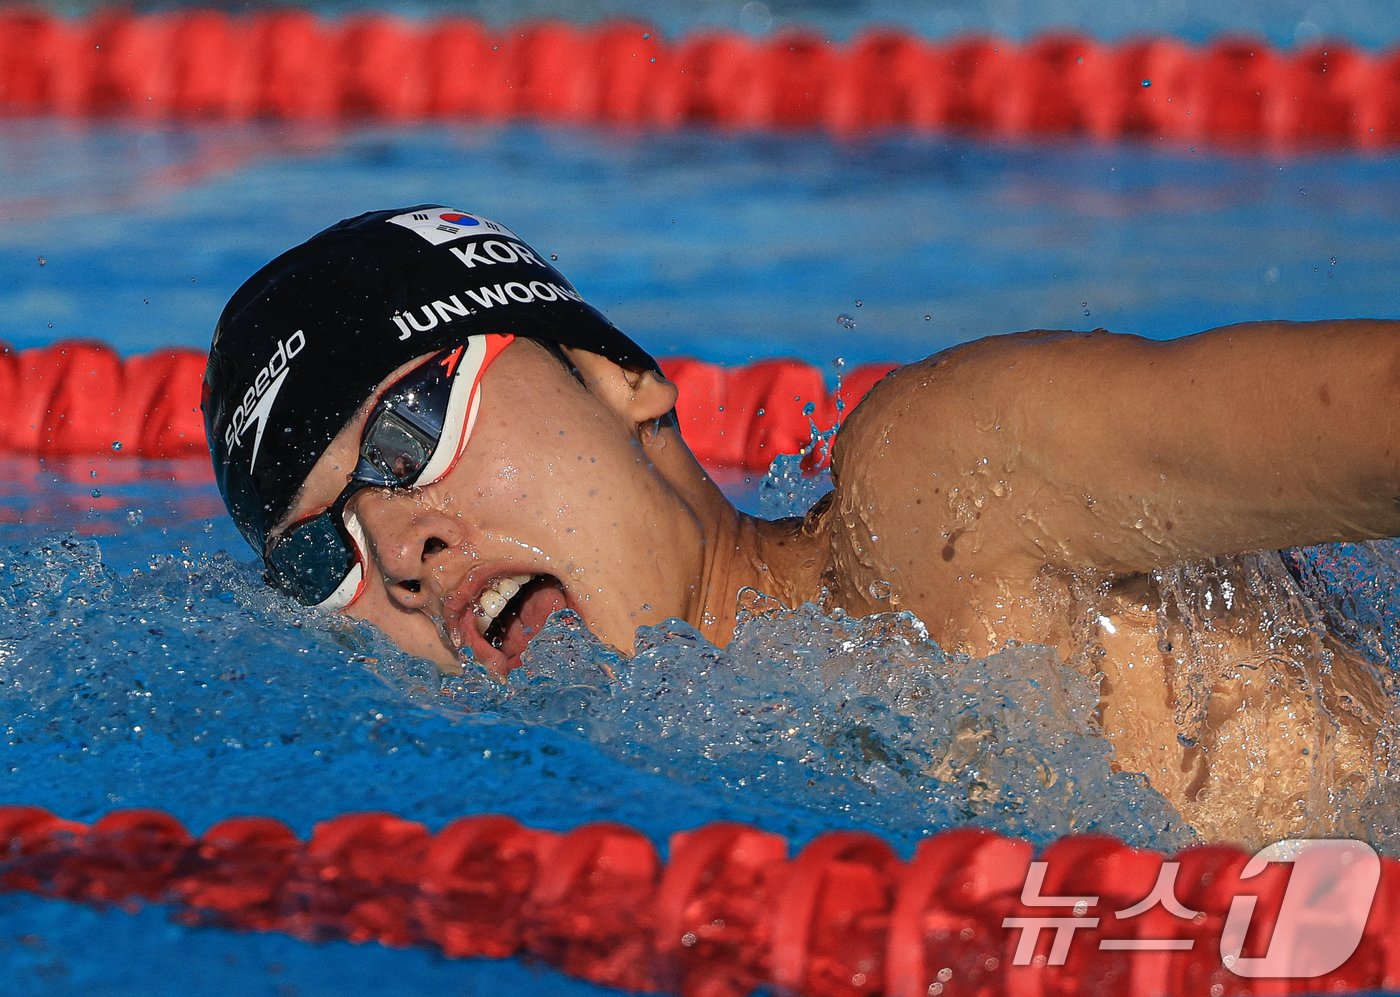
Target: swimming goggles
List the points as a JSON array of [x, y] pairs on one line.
[[414, 435]]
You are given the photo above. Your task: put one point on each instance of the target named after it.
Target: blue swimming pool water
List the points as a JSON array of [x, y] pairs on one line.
[[1372, 23], [725, 247], [143, 664]]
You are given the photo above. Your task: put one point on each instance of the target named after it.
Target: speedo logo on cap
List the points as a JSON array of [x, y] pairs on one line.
[[256, 404], [439, 225]]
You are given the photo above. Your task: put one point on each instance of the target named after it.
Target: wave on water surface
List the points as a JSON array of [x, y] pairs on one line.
[[183, 683]]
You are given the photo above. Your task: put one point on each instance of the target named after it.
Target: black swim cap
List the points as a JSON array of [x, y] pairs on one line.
[[305, 341]]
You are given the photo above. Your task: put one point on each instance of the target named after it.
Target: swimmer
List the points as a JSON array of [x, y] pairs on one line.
[[417, 421]]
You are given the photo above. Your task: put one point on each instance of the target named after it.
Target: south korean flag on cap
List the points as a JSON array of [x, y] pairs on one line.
[[439, 225]]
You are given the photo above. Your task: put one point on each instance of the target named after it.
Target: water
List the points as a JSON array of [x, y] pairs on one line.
[[143, 663], [1370, 23], [138, 654], [730, 248], [805, 723]]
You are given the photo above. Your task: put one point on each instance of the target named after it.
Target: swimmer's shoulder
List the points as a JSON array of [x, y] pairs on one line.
[[946, 399], [946, 475], [921, 471]]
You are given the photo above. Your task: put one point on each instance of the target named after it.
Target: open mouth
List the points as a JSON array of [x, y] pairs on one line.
[[510, 611]]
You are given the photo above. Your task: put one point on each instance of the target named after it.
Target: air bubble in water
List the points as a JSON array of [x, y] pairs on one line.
[[97, 493], [43, 262], [116, 445], [845, 321]]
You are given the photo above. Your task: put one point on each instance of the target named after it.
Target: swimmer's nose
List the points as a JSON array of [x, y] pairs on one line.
[[409, 544]]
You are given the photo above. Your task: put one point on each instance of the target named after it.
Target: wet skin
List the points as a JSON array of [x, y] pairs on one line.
[[977, 489], [589, 486], [1030, 487]]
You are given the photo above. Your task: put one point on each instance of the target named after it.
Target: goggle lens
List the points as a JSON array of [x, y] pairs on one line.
[[397, 450], [310, 561]]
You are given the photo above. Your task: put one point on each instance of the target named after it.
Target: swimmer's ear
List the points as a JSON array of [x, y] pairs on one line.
[[639, 396]]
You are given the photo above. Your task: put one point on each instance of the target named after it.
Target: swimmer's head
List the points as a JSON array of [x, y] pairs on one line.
[[308, 339]]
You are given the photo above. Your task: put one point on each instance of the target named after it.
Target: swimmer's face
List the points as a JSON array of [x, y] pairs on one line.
[[553, 504]]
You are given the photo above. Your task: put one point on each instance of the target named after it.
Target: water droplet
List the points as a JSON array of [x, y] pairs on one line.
[[859, 302], [928, 317], [845, 321], [554, 257], [653, 59], [1333, 261], [135, 517], [92, 474], [116, 444], [1146, 84], [761, 412], [809, 408], [43, 262], [97, 493], [646, 36], [193, 279]]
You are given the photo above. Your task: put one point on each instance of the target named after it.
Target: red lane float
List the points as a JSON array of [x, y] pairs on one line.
[[728, 910], [291, 65], [78, 398]]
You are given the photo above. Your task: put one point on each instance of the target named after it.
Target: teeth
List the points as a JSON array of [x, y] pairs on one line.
[[496, 596]]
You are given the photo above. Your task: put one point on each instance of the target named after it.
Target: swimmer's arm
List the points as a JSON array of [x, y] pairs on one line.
[[1119, 453], [1250, 437]]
